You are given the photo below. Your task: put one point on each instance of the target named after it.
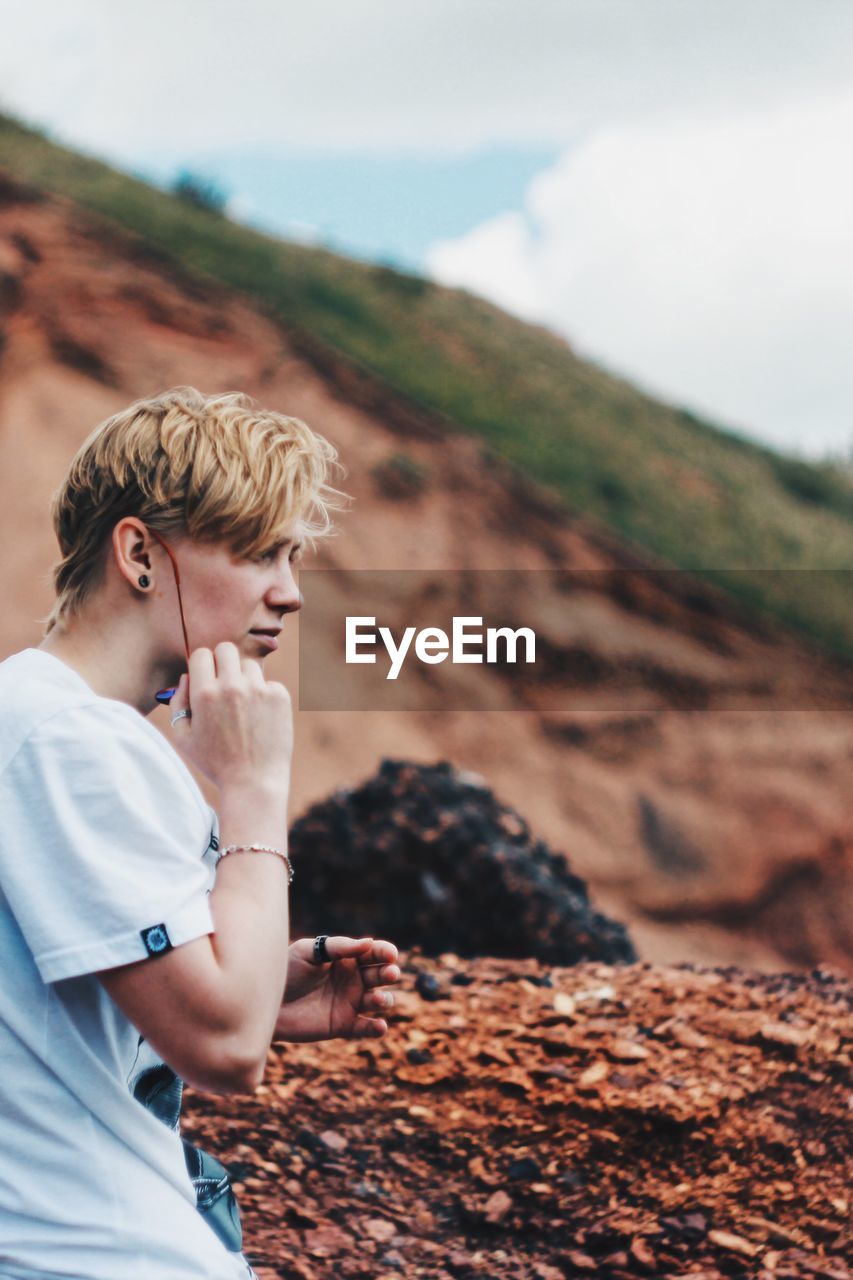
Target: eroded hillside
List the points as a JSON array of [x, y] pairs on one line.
[[717, 835]]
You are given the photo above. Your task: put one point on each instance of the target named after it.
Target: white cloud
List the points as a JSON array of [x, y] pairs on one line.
[[709, 260], [127, 80]]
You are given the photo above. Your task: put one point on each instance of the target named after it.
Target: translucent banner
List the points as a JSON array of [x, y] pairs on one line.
[[566, 640]]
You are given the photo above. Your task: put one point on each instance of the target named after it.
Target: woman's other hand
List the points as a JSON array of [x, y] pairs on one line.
[[343, 998]]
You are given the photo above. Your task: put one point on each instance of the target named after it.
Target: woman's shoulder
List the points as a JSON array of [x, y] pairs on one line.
[[34, 688], [49, 710]]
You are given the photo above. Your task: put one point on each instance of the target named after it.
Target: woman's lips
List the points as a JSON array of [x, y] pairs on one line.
[[269, 641]]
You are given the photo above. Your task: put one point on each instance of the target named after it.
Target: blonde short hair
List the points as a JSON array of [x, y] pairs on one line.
[[214, 468]]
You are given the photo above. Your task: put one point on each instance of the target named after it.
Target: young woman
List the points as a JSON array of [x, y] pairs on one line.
[[143, 937]]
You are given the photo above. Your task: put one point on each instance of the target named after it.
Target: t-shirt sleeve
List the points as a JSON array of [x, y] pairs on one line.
[[101, 855]]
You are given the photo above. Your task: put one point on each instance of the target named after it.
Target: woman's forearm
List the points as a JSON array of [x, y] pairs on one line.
[[249, 904]]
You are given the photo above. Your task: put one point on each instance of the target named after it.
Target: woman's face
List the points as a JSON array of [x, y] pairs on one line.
[[230, 597]]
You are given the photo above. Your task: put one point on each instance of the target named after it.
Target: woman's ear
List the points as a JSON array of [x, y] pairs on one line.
[[132, 553]]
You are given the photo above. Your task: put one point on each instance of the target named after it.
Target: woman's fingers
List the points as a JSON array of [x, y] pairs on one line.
[[202, 669], [366, 1028], [378, 975], [381, 975], [372, 955], [340, 947], [377, 999], [180, 701], [381, 954], [227, 658], [253, 671], [376, 963]]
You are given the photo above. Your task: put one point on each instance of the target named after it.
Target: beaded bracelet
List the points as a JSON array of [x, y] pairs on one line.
[[257, 848]]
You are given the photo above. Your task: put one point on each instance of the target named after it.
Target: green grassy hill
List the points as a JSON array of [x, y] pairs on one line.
[[692, 494]]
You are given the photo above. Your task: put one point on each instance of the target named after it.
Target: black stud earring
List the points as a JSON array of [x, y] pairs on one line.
[[144, 581]]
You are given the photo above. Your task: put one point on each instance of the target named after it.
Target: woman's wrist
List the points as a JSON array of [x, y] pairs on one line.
[[253, 813], [261, 849], [261, 789]]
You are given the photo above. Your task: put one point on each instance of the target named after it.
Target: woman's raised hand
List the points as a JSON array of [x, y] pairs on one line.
[[240, 730]]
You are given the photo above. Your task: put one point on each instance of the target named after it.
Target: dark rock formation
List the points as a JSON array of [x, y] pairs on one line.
[[426, 856]]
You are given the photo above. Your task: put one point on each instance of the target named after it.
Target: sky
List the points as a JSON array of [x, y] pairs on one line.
[[664, 182]]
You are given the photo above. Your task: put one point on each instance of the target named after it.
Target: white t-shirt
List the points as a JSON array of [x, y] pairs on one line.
[[106, 857]]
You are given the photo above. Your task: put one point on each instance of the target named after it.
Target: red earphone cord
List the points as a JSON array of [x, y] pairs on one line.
[[178, 586]]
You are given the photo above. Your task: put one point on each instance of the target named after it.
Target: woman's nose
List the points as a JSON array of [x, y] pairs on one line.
[[286, 594]]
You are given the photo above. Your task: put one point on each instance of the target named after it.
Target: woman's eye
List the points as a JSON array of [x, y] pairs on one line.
[[266, 557]]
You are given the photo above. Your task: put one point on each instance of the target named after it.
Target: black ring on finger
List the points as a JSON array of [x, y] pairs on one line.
[[321, 955]]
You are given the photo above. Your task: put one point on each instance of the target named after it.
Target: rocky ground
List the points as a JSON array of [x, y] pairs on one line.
[[535, 1122]]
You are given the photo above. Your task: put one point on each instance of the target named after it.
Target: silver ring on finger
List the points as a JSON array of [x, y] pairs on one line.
[[179, 715]]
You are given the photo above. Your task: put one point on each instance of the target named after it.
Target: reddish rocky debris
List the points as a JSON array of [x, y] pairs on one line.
[[540, 1122]]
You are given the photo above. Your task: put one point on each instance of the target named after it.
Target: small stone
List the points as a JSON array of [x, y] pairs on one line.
[[775, 1233], [737, 1244], [593, 1075], [641, 1253], [477, 1169], [379, 1229], [423, 1221], [605, 992], [688, 1037], [428, 987], [621, 1080], [418, 1056], [327, 1240], [626, 1051], [498, 1206], [783, 1033], [692, 1226], [544, 1271], [581, 1261], [334, 1141], [524, 1170]]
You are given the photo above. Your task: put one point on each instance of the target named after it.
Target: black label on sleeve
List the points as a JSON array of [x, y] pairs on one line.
[[156, 939]]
